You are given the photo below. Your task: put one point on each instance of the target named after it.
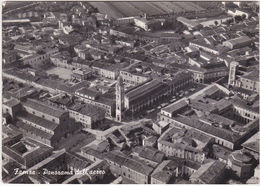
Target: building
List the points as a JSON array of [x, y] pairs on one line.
[[62, 59], [133, 77], [241, 164], [190, 144], [136, 171], [225, 119], [165, 172], [209, 73], [238, 42], [39, 59], [12, 107], [220, 153], [187, 22], [149, 155], [43, 123], [89, 115], [81, 74], [160, 127], [148, 25], [105, 70], [26, 152], [11, 134], [115, 160], [209, 173], [145, 95], [120, 99], [9, 56], [251, 146], [91, 154], [245, 80], [94, 98], [150, 141]]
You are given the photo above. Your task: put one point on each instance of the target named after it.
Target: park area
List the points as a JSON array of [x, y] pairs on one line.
[[63, 73]]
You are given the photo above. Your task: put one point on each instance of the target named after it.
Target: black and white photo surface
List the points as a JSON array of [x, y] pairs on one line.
[[130, 92]]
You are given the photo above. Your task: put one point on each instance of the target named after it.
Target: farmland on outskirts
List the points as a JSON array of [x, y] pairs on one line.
[[126, 9]]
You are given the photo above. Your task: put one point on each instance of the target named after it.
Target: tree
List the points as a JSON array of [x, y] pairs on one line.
[[238, 18], [216, 23]]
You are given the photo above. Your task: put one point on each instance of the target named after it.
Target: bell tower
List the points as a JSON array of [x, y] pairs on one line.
[[120, 96]]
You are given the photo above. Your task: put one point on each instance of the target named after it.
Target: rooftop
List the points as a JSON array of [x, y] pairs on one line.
[[138, 167], [252, 143], [175, 106], [87, 109], [145, 89], [208, 172], [239, 40], [12, 103], [44, 108], [38, 121], [151, 154], [88, 92]]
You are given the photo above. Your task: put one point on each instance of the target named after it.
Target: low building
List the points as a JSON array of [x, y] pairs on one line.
[[136, 171], [87, 114], [115, 161], [220, 153], [26, 152], [222, 119], [208, 74], [248, 80], [149, 25], [241, 164], [43, 122], [9, 56], [149, 154], [133, 77], [62, 59], [11, 134], [150, 141], [91, 154], [165, 172], [239, 42], [252, 146], [187, 22], [81, 74], [209, 173], [190, 144], [94, 98], [39, 59], [11, 107], [160, 127]]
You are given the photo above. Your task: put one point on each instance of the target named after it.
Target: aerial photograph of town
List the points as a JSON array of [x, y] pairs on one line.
[[130, 92]]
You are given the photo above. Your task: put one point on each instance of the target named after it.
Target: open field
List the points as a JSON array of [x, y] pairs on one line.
[[126, 9], [61, 72]]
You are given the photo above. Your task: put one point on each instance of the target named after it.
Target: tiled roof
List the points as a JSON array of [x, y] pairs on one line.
[[175, 106], [38, 121], [213, 171], [118, 159], [44, 108], [37, 132], [152, 154], [11, 102], [138, 167], [145, 89], [215, 131]]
